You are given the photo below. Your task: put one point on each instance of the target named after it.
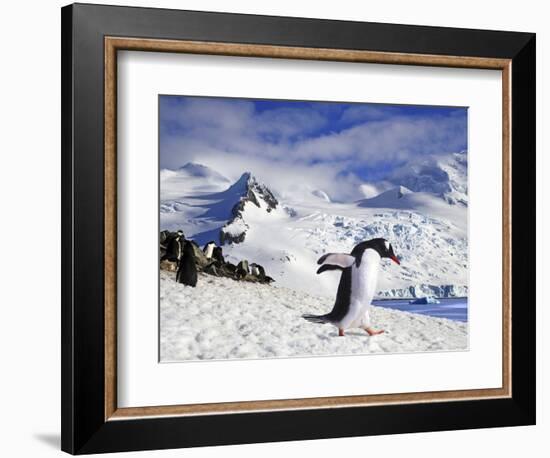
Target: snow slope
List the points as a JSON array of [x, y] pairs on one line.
[[175, 184], [217, 320], [197, 200], [428, 233]]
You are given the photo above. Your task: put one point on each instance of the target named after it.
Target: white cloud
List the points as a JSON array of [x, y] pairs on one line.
[[288, 146]]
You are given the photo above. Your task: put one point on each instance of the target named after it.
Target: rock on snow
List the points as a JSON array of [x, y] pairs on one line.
[[222, 319]]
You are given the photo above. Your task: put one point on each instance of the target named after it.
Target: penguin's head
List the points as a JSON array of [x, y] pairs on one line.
[[386, 251], [381, 246]]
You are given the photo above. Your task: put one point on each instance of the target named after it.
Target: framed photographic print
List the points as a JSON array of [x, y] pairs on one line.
[[274, 221]]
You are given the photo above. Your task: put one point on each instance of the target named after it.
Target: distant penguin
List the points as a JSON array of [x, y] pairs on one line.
[[357, 284], [242, 269], [174, 247], [254, 270], [217, 254], [258, 271], [209, 249], [187, 270], [261, 271]]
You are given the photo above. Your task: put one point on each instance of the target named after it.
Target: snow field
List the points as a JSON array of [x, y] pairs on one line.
[[223, 319]]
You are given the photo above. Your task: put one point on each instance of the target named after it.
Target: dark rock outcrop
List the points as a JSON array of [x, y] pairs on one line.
[[216, 265]]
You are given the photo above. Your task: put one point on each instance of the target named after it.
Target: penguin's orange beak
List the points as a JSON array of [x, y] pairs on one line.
[[394, 259]]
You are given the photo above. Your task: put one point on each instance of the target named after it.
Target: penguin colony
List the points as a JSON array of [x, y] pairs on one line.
[[187, 259]]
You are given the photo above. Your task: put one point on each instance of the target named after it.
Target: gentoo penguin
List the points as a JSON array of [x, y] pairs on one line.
[[174, 249], [187, 270], [259, 271], [217, 254], [357, 284], [242, 269], [209, 249]]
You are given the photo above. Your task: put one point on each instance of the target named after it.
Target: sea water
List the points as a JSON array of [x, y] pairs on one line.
[[453, 308]]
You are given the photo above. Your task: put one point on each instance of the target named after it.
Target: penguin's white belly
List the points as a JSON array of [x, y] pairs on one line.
[[209, 250], [356, 317], [363, 287]]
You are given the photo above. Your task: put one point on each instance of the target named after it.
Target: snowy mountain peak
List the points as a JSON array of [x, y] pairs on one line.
[[243, 182], [399, 192], [392, 198], [250, 191], [442, 175]]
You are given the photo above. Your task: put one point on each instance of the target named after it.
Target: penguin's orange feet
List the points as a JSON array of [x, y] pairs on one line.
[[340, 332], [374, 332]]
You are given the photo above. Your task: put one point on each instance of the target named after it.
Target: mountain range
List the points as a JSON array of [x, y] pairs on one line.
[[421, 208]]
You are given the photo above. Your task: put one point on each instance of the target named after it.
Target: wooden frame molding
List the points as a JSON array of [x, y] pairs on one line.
[[111, 46]]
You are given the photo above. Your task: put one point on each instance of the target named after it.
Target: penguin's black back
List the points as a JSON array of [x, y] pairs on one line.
[[187, 270], [217, 254], [343, 297]]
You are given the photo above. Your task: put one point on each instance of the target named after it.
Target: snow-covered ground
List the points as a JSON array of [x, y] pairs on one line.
[[225, 319]]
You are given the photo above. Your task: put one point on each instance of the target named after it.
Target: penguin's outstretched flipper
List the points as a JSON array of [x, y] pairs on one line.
[[326, 267], [335, 261]]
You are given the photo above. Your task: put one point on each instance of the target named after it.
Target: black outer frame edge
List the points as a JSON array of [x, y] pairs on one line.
[[161, 23], [83, 272], [83, 427], [524, 227], [67, 413], [174, 432]]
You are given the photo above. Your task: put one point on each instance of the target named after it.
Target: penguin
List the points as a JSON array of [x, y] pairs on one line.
[[242, 269], [357, 284], [217, 254], [187, 270], [259, 272], [174, 247], [209, 249]]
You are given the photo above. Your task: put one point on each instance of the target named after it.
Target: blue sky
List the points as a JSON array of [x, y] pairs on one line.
[[334, 146]]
